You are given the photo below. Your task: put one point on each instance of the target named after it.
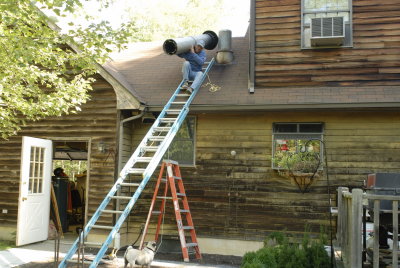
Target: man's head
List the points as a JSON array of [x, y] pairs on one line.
[[199, 46]]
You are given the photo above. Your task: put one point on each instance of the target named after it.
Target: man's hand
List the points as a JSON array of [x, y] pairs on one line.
[[192, 49]]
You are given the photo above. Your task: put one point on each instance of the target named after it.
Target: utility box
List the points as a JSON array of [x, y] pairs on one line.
[[383, 184]]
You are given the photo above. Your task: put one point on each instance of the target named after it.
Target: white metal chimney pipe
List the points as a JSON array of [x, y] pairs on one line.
[[225, 54], [184, 44]]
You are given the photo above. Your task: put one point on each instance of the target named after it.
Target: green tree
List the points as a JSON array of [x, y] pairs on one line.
[[41, 75], [160, 19]]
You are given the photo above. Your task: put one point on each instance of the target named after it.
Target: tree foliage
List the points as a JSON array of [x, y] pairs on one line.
[[160, 19], [41, 75]]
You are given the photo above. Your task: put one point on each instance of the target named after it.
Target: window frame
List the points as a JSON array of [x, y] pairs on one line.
[[194, 143], [303, 26], [316, 135]]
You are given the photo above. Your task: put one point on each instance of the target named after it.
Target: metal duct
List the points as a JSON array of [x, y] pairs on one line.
[[184, 44], [225, 54]]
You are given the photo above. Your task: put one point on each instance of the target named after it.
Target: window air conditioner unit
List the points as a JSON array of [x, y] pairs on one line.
[[327, 31]]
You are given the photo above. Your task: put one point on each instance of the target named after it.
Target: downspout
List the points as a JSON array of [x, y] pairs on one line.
[[252, 46], [121, 136]]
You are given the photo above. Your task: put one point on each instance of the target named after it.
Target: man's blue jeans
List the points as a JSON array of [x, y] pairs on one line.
[[188, 74]]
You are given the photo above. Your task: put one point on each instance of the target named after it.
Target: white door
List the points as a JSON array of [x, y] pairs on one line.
[[34, 191]]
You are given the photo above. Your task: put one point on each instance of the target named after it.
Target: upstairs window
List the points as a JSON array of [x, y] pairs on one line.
[[326, 23], [182, 148], [293, 138]]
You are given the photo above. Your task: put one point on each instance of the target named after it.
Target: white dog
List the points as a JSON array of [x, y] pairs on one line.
[[142, 257]]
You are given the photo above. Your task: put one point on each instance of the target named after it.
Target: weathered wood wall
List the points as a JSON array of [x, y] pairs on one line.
[[97, 121], [242, 197], [373, 60]]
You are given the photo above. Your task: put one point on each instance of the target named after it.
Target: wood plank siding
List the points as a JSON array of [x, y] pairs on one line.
[[242, 197], [96, 122], [373, 59]]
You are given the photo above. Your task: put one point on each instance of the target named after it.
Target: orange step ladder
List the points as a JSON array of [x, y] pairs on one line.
[[173, 179]]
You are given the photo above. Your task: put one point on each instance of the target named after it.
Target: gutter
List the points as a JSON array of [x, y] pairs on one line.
[[252, 47], [282, 107]]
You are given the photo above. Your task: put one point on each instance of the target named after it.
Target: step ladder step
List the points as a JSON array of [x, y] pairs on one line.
[[178, 103], [171, 162], [162, 129], [136, 170], [150, 148], [177, 178], [129, 184], [182, 95], [156, 212], [187, 228], [105, 227], [144, 159], [180, 194], [166, 197], [184, 211], [113, 211], [190, 245], [156, 138]]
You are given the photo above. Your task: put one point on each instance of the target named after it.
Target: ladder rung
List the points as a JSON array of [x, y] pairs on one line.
[[162, 129], [187, 228], [156, 212], [121, 197], [156, 138], [178, 102], [76, 261], [177, 178], [150, 148], [206, 62], [168, 120], [144, 159], [129, 184], [189, 245], [180, 194], [163, 180], [182, 95], [184, 211], [173, 111], [113, 211], [136, 170], [93, 244], [102, 227]]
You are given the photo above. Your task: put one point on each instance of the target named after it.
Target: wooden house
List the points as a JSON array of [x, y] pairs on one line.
[[291, 80]]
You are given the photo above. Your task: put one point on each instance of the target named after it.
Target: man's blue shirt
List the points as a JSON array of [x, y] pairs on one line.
[[196, 60]]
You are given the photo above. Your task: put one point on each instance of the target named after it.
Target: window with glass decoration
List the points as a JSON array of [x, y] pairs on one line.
[[297, 146]]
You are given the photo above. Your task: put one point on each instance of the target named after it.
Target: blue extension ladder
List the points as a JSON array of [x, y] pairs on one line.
[[157, 141]]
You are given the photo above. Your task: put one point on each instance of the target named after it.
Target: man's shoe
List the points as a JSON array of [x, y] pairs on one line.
[[185, 85], [189, 91]]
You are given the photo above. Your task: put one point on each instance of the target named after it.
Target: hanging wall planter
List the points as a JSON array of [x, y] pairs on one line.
[[302, 168]]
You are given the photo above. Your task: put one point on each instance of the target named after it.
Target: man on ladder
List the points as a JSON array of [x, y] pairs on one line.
[[192, 67]]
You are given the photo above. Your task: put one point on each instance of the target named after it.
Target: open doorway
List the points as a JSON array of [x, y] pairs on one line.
[[70, 180]]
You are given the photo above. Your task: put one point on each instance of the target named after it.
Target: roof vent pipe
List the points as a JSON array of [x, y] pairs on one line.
[[225, 54], [184, 44]]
